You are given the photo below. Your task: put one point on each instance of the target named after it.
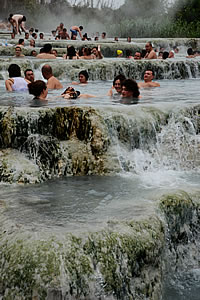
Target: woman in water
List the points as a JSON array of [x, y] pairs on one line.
[[83, 78], [15, 81], [71, 53], [130, 92], [39, 89], [115, 91]]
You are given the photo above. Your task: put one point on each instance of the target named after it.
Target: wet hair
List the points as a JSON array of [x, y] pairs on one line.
[[34, 34], [120, 77], [10, 17], [20, 41], [47, 48], [165, 54], [80, 51], [190, 51], [71, 52], [128, 52], [36, 88], [14, 70], [24, 18], [84, 73], [131, 86], [81, 27], [87, 51], [143, 53]]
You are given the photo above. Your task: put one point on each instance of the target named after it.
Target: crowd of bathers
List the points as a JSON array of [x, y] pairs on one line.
[[123, 89]]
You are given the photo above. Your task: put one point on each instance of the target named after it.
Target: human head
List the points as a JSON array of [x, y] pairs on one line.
[[148, 75], [149, 47], [73, 37], [41, 35], [31, 30], [128, 39], [53, 32], [28, 73], [18, 51], [137, 55], [32, 43], [128, 53], [21, 42], [33, 53], [119, 53], [12, 35], [103, 35], [190, 51], [117, 82], [70, 93], [26, 36], [47, 71], [34, 35], [81, 28], [71, 52], [176, 49], [96, 38], [24, 19], [38, 88], [54, 52], [83, 76], [130, 89], [116, 39], [95, 50], [165, 54], [47, 48], [14, 71]]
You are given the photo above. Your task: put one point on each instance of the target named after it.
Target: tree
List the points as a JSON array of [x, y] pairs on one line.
[[186, 10], [143, 8]]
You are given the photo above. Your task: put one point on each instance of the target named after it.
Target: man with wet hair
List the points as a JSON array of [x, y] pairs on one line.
[[29, 75], [45, 52], [148, 77], [75, 30], [52, 82], [150, 53]]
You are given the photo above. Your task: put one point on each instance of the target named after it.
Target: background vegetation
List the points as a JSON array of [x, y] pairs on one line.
[[136, 18]]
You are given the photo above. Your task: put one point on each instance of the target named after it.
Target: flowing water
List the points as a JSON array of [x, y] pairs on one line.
[[126, 158]]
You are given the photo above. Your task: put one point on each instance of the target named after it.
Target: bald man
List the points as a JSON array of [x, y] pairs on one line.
[[52, 82]]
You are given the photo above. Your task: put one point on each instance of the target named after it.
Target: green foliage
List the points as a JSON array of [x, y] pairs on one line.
[[153, 27]]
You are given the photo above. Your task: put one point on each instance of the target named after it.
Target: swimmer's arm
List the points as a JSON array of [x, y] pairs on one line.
[[8, 84], [74, 83], [80, 33], [87, 96], [110, 92]]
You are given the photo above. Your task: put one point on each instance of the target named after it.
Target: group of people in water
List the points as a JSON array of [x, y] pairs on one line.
[[123, 89]]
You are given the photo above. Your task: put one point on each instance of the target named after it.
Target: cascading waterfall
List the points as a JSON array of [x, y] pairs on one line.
[[100, 200]]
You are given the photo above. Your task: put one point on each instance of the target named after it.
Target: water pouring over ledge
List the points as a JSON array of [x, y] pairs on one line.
[[140, 152]]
